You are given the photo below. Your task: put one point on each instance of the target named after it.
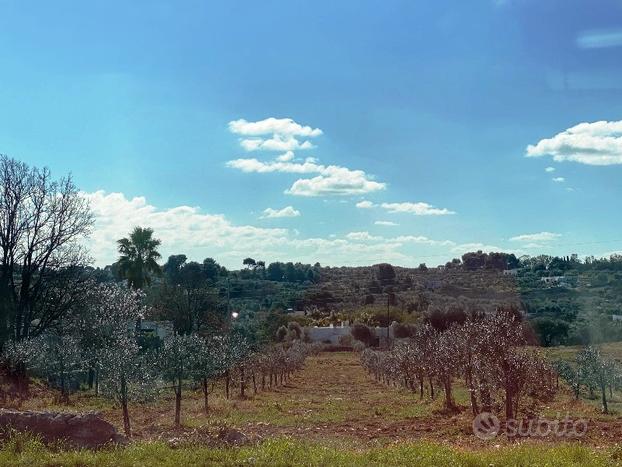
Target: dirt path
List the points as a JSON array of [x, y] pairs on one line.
[[334, 397]]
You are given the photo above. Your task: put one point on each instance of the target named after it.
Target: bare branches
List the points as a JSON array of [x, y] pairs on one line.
[[41, 224]]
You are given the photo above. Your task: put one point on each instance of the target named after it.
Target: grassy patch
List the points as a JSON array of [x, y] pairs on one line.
[[290, 452]]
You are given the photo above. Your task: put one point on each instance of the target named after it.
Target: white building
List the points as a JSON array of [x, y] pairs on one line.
[[162, 329], [333, 333]]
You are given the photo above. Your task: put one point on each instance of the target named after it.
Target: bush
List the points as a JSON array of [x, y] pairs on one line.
[[346, 340], [358, 346], [281, 334], [295, 329], [401, 330], [362, 333]]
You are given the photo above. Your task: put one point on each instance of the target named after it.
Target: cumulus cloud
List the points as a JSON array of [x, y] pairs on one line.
[[550, 169], [282, 126], [276, 143], [467, 247], [185, 229], [400, 240], [254, 165], [387, 223], [558, 179], [188, 230], [182, 229], [331, 179], [365, 204], [596, 143], [536, 237], [362, 236], [287, 211], [336, 181], [273, 134], [285, 157], [422, 240], [418, 209]]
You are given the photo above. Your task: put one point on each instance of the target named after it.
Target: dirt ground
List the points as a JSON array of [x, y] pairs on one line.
[[332, 400]]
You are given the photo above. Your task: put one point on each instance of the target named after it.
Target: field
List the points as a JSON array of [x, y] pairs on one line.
[[331, 412]]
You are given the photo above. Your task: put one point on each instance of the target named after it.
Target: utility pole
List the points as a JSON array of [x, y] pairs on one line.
[[228, 297], [388, 315]]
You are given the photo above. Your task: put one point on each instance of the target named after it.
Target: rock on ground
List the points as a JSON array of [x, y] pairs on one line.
[[80, 430]]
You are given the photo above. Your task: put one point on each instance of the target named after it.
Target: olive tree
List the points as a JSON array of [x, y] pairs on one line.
[[177, 360], [126, 373], [597, 371], [208, 366]]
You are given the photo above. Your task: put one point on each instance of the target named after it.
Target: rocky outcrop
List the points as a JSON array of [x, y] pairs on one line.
[[80, 430]]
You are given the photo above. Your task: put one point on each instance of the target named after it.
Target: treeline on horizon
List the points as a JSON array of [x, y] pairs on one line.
[[44, 269]]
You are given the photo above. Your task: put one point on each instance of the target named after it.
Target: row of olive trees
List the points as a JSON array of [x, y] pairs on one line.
[[592, 371], [486, 352], [99, 338], [230, 358]]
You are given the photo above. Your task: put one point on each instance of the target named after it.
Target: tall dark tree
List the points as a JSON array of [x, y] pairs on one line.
[[172, 268], [139, 257], [211, 269], [42, 221], [385, 274]]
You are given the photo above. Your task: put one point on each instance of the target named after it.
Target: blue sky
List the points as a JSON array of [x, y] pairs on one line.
[[403, 103]]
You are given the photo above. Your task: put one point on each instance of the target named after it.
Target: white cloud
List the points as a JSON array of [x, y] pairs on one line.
[[283, 136], [387, 223], [285, 157], [550, 169], [337, 181], [418, 209], [597, 143], [467, 247], [596, 39], [282, 126], [332, 179], [362, 236], [536, 237], [534, 246], [276, 143], [558, 179], [182, 229], [365, 204], [287, 211], [187, 230], [273, 134], [254, 165], [422, 240], [400, 240]]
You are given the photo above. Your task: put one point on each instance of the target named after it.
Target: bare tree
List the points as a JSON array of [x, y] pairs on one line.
[[41, 223]]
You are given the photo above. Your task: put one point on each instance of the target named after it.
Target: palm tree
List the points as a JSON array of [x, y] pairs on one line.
[[139, 257]]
